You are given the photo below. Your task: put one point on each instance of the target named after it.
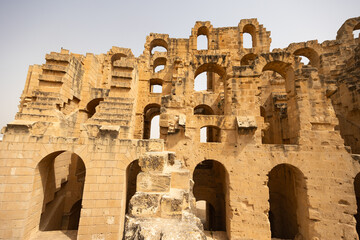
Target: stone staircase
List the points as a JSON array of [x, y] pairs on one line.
[[116, 112], [40, 107]]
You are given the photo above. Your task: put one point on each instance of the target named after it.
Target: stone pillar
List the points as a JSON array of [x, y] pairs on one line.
[[163, 206]]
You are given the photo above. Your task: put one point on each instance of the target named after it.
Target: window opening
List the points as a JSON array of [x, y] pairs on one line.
[[247, 40], [202, 42], [156, 88], [158, 49], [209, 134], [155, 127], [203, 110]]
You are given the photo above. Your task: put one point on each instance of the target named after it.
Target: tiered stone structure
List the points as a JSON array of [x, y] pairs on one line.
[[277, 156]]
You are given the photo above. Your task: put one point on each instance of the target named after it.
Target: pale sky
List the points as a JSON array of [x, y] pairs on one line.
[[30, 29]]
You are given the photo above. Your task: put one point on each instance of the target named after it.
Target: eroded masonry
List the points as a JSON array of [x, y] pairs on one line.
[[268, 148]]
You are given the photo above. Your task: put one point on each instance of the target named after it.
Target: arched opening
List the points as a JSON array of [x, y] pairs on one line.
[[202, 38], [158, 45], [91, 106], [203, 110], [249, 36], [247, 40], [357, 194], [289, 212], [202, 83], [304, 60], [132, 170], [209, 134], [59, 186], [308, 56], [356, 31], [117, 57], [207, 76], [248, 59], [210, 186], [279, 104], [151, 128], [206, 213], [155, 127], [156, 85], [159, 64]]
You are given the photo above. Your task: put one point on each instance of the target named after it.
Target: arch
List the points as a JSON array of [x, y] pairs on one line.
[[210, 133], [203, 109], [57, 192], [207, 75], [161, 61], [210, 67], [116, 57], [211, 182], [204, 43], [150, 111], [357, 195], [346, 30], [250, 29], [356, 31], [132, 170], [311, 54], [158, 43], [248, 59], [289, 213], [285, 103], [274, 109], [91, 106]]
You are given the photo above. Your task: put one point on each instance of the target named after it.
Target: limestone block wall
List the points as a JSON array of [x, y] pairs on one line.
[[270, 139]]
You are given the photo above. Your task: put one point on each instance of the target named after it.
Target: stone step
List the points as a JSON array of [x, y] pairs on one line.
[[102, 115], [35, 117], [119, 100], [48, 99], [46, 94], [115, 105], [116, 110], [55, 235], [40, 105], [38, 111], [111, 121]]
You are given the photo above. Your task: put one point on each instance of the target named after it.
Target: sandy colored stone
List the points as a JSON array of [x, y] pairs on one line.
[[280, 158]]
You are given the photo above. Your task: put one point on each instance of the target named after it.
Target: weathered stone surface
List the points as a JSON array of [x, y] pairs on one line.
[[268, 148], [153, 182], [144, 205], [156, 229], [153, 161], [180, 179]]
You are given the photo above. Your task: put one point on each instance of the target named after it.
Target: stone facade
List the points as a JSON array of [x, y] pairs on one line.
[[269, 149]]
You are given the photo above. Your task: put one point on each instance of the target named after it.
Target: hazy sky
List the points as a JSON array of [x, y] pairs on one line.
[[30, 29]]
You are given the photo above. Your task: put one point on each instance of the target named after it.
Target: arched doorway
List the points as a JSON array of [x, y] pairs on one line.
[[210, 185], [57, 192], [150, 119], [132, 170], [289, 212]]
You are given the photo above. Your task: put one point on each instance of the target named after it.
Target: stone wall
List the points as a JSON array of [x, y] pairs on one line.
[[281, 144]]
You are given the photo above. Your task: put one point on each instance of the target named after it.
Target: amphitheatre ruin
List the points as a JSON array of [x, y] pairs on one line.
[[268, 148]]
